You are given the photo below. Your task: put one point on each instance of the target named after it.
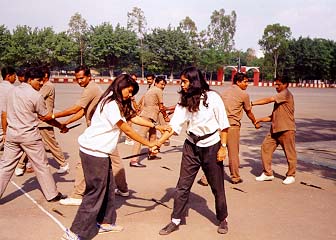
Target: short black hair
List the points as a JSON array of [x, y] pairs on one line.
[[7, 71], [150, 75], [84, 68], [34, 72], [239, 77], [159, 79]]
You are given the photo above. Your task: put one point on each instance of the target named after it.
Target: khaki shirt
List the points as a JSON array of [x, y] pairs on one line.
[[235, 100], [89, 99], [283, 112], [48, 93], [151, 104], [23, 107], [5, 88]]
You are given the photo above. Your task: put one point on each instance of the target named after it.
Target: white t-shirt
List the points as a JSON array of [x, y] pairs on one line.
[[205, 121], [101, 137]]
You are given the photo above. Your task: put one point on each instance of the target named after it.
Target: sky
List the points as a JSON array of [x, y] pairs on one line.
[[306, 18]]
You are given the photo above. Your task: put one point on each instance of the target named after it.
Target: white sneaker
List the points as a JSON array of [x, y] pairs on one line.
[[289, 180], [264, 177], [71, 201], [63, 169], [19, 171], [120, 193], [129, 142], [68, 235], [106, 228]]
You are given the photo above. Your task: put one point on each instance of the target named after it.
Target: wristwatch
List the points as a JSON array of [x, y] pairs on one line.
[[155, 124], [53, 116], [223, 145]]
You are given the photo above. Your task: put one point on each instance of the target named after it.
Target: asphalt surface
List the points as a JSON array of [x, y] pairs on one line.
[[257, 211]]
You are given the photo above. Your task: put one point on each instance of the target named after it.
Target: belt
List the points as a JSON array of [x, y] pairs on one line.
[[196, 138]]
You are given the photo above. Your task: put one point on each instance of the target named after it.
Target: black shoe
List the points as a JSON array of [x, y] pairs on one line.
[[58, 197], [223, 227], [171, 227], [153, 157], [200, 182], [237, 182], [137, 164]]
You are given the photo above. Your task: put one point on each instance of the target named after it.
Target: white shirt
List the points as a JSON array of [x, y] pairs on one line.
[[205, 121], [101, 137]]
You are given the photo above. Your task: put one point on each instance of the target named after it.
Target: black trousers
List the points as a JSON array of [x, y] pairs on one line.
[[193, 158], [98, 203]]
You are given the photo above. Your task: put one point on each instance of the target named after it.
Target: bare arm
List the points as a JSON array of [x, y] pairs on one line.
[[264, 119], [250, 115], [221, 154], [167, 134], [75, 117], [263, 101], [144, 122], [133, 134], [69, 111], [48, 119], [164, 113], [4, 122]]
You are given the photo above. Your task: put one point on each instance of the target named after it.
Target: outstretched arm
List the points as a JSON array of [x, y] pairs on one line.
[[69, 111], [250, 115], [263, 101]]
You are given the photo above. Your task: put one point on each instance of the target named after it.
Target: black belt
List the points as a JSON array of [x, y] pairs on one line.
[[196, 138]]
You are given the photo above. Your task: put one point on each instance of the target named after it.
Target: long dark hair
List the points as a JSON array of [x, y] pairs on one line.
[[198, 88], [116, 87]]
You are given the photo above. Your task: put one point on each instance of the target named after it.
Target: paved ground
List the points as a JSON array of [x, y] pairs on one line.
[[261, 211]]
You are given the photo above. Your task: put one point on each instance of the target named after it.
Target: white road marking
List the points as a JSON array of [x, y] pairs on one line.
[[40, 207]]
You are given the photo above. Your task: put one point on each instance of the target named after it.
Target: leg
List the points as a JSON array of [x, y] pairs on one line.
[[8, 162], [190, 165], [79, 187], [137, 146], [214, 172], [233, 152], [267, 148], [36, 153], [48, 138], [287, 141], [96, 172], [118, 171]]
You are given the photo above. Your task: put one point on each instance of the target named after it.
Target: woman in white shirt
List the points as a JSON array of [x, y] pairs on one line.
[[207, 124], [97, 211]]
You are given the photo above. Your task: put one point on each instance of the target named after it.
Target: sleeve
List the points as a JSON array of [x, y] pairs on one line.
[[85, 98], [41, 107], [281, 97], [247, 103], [112, 112], [178, 119], [219, 112]]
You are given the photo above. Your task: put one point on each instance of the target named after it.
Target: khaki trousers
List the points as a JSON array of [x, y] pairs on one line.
[[287, 141], [36, 153], [118, 173], [233, 139]]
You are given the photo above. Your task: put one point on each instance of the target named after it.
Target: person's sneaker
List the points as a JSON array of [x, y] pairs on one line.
[[137, 164], [120, 193], [71, 201], [58, 197], [19, 172], [201, 182], [223, 227], [171, 227], [129, 142], [264, 177], [109, 228], [289, 180], [63, 169], [68, 235], [153, 157]]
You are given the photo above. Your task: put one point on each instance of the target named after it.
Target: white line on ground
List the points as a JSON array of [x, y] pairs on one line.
[[40, 207]]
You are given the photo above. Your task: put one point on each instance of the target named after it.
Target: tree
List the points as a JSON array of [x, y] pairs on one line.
[[109, 47], [136, 22], [274, 42], [221, 30], [78, 29], [5, 38]]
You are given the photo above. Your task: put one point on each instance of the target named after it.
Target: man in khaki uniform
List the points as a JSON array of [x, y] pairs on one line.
[[152, 106], [235, 100], [24, 105], [282, 131], [83, 107], [47, 131]]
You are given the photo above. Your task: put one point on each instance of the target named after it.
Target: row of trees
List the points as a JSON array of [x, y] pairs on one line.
[[134, 48]]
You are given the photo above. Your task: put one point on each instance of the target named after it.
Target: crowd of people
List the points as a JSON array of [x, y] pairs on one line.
[[213, 133]]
